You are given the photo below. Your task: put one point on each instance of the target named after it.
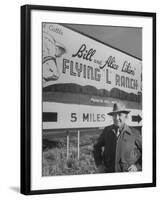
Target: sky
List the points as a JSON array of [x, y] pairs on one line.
[[127, 39]]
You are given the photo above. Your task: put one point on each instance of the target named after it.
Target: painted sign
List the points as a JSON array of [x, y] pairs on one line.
[[81, 76], [70, 57], [82, 116]]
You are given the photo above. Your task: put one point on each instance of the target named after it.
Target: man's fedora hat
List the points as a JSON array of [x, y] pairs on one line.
[[117, 108]]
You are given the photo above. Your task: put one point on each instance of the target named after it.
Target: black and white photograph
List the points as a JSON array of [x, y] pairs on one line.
[[80, 100], [92, 99], [88, 117]]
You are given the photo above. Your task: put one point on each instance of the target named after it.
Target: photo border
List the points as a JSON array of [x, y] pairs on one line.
[[26, 97]]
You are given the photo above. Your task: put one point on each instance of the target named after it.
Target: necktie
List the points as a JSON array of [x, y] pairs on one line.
[[118, 132]]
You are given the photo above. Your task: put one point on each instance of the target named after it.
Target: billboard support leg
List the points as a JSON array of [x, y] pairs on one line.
[[78, 143], [67, 147]]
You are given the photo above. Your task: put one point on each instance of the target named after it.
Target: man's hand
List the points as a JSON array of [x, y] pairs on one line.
[[132, 168], [101, 169]]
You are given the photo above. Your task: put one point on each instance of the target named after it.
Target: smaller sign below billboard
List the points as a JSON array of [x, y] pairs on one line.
[[83, 116]]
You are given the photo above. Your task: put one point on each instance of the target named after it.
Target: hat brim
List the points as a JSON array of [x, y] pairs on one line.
[[119, 111]]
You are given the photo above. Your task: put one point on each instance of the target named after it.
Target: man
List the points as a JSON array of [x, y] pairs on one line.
[[119, 147]]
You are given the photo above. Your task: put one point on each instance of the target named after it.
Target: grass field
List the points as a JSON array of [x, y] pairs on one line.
[[55, 160]]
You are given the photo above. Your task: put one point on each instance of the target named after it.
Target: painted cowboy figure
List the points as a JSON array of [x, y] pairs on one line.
[[51, 51], [119, 147]]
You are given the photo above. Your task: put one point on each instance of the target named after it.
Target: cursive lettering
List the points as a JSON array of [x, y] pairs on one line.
[[127, 68], [111, 62], [56, 29], [84, 53]]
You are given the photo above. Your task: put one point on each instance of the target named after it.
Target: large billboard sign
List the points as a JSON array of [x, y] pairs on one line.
[[75, 63], [82, 60]]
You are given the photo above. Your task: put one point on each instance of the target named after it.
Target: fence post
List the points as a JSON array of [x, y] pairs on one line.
[[67, 144], [78, 143]]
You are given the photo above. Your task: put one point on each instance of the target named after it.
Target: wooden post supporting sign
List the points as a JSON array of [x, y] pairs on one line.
[[78, 144], [67, 145]]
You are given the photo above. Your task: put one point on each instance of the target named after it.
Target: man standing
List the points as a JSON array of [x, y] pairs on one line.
[[119, 147]]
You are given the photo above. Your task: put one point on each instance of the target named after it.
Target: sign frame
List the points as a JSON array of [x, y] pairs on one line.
[[27, 107]]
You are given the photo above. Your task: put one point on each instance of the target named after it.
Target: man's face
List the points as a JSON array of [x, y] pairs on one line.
[[119, 119]]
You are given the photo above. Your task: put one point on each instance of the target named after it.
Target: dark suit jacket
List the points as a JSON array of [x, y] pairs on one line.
[[118, 153]]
